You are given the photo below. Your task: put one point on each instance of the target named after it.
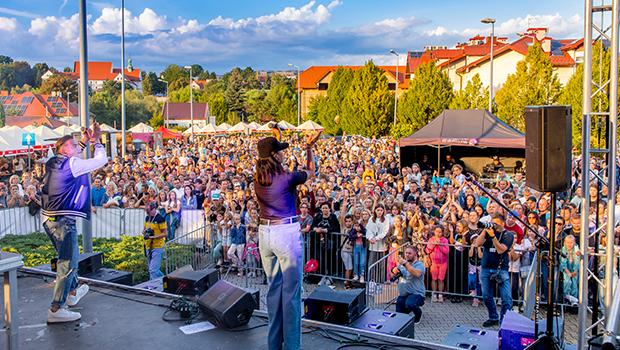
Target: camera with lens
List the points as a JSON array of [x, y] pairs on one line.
[[148, 233], [396, 276]]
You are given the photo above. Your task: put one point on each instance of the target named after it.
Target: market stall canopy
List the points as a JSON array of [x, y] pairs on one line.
[[107, 128], [309, 126], [45, 135], [141, 128], [284, 125], [466, 127], [64, 130], [224, 126], [168, 134], [12, 129], [209, 129], [188, 131], [29, 127], [75, 128], [239, 127], [254, 126]]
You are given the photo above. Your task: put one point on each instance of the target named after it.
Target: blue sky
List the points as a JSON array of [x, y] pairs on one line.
[[265, 34]]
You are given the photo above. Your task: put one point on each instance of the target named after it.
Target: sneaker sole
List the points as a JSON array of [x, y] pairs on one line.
[[63, 321]]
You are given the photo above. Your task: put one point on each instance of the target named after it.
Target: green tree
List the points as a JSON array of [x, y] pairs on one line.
[[326, 110], [533, 83], [156, 121], [59, 82], [368, 106], [256, 106], [5, 59], [24, 74], [474, 96], [39, 69], [282, 101], [234, 91], [176, 76], [7, 76], [2, 116], [104, 106], [217, 106], [183, 95], [572, 93], [430, 92]]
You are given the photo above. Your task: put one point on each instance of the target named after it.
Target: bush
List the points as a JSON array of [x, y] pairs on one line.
[[126, 254]]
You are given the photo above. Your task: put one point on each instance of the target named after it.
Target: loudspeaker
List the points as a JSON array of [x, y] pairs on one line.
[[517, 331], [465, 337], [113, 276], [548, 133], [190, 282], [87, 263], [386, 322], [339, 307], [226, 305]]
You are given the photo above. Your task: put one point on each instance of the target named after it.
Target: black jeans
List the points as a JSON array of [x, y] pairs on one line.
[[410, 302]]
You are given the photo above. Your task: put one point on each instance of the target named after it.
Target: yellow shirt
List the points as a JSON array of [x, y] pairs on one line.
[[158, 225]]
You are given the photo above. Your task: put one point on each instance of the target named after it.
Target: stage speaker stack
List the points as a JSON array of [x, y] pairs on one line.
[[87, 263], [228, 306], [338, 307], [189, 282], [517, 331], [548, 134], [465, 337], [386, 322]]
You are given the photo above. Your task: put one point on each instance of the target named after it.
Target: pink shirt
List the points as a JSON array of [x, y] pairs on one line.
[[438, 249]]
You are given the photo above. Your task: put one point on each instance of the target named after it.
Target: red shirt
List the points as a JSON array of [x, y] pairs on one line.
[[518, 231]]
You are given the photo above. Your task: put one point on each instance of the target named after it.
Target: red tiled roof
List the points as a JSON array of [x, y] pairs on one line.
[[562, 61], [23, 122], [104, 71], [182, 111], [309, 78], [28, 104], [572, 45]]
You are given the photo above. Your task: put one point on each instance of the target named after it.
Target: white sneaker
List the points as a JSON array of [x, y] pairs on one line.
[[80, 292], [356, 278], [62, 315], [361, 279]]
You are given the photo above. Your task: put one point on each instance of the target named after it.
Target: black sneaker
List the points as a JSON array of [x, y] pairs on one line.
[[490, 323], [417, 320]]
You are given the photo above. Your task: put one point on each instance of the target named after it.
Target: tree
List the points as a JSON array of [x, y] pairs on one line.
[[23, 73], [5, 59], [7, 76], [2, 116], [282, 101], [217, 106], [327, 110], [156, 121], [430, 92], [59, 82], [368, 105], [256, 106], [533, 83], [39, 69], [104, 106], [572, 94], [234, 91], [176, 77], [474, 96], [183, 95]]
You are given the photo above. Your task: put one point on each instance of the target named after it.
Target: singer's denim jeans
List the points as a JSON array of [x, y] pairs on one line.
[[281, 249], [503, 284], [63, 234]]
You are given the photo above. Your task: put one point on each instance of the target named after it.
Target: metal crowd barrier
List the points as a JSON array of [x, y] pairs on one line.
[[379, 288], [192, 248]]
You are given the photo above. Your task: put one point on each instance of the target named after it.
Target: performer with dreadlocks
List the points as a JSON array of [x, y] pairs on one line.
[[280, 241]]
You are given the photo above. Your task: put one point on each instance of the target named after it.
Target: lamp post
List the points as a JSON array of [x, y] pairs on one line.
[[298, 94], [490, 21], [68, 103], [123, 115], [167, 100], [191, 102], [396, 85]]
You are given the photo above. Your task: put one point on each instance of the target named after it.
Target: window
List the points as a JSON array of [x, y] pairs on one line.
[[391, 86], [323, 86], [27, 100]]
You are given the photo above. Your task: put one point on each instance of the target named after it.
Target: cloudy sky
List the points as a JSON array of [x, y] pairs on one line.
[[265, 34]]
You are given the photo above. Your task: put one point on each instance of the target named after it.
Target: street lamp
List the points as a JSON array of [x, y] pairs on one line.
[[490, 21], [396, 85], [68, 103], [298, 94], [191, 102], [167, 100]]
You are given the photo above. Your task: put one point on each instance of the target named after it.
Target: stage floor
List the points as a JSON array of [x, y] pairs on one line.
[[117, 319]]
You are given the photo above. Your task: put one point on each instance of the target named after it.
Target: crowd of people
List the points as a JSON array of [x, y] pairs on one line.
[[361, 207]]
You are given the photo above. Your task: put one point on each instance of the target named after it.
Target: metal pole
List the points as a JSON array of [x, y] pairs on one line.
[[191, 102], [551, 276], [123, 126], [612, 129], [396, 90], [298, 98], [167, 106], [491, 68], [87, 234], [582, 337]]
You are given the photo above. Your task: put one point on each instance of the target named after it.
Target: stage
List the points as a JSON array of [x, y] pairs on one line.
[[114, 318]]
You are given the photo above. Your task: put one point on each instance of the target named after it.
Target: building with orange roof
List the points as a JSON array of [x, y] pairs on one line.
[[28, 108], [315, 80], [100, 72]]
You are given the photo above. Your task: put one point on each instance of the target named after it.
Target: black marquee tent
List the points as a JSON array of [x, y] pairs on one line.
[[473, 133]]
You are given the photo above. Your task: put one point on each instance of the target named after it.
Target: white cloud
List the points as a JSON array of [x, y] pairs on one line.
[[191, 26], [334, 4], [8, 24], [439, 31], [110, 22], [558, 25], [61, 29], [12, 12]]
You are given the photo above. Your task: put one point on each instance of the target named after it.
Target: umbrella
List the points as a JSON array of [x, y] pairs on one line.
[[107, 128], [189, 130], [254, 126], [284, 125], [209, 129], [264, 128], [239, 127], [309, 126], [224, 126]]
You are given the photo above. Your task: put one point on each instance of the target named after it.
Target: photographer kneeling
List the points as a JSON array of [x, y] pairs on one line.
[[154, 238], [410, 272], [496, 241]]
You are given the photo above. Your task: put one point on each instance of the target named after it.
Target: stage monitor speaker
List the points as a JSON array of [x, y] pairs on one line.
[[548, 134], [465, 337], [87, 263], [226, 305], [190, 282], [386, 322], [517, 331], [339, 307], [112, 276]]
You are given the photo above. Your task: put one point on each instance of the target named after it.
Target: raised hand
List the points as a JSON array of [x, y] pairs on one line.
[[95, 133], [313, 137]]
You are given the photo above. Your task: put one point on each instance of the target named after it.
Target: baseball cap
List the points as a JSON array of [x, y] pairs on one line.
[[270, 145]]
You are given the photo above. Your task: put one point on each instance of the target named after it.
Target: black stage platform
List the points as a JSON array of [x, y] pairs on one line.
[[117, 319]]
